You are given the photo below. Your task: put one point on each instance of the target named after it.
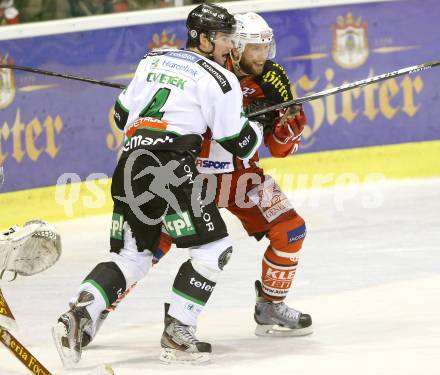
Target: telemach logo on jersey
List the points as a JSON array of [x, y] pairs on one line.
[[350, 42]]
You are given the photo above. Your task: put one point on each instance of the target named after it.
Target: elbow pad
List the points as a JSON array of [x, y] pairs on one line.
[[244, 144], [120, 115]]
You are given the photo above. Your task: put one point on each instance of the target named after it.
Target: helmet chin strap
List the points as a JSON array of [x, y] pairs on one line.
[[210, 53], [236, 64]]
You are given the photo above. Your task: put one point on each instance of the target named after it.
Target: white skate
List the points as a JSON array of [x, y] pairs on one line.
[[180, 345], [278, 319]]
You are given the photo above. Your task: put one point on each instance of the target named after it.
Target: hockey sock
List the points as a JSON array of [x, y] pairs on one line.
[[190, 293], [277, 275], [106, 282]]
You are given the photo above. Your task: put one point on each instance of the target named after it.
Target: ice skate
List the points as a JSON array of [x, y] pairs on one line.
[[68, 332], [180, 345], [278, 319], [90, 332]]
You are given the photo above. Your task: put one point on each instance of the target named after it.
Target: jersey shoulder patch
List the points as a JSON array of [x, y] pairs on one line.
[[219, 77], [153, 53], [275, 83]]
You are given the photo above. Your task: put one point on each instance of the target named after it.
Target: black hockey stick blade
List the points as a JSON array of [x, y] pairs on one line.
[[347, 86], [63, 75]]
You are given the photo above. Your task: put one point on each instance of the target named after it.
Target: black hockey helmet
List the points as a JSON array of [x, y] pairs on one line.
[[208, 19]]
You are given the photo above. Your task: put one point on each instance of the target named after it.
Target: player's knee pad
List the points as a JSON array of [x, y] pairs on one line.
[[134, 265], [286, 237], [210, 259]]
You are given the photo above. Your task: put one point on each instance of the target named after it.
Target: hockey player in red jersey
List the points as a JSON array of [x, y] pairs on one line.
[[263, 83]]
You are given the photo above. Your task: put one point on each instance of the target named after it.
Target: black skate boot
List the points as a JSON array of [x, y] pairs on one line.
[[68, 332], [278, 319], [179, 343], [90, 332]]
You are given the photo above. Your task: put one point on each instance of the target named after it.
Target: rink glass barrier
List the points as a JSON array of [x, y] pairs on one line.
[[50, 126]]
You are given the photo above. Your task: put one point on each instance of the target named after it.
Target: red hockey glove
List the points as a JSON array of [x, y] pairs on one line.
[[288, 129]]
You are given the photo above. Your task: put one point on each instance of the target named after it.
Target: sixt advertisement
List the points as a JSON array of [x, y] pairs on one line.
[[50, 126]]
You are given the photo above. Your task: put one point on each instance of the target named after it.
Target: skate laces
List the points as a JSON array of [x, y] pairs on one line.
[[286, 311], [187, 333]]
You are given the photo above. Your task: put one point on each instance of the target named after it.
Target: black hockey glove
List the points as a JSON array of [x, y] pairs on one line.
[[266, 119]]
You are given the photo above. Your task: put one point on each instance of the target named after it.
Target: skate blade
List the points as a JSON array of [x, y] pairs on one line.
[[69, 357], [271, 330], [102, 370], [170, 356]]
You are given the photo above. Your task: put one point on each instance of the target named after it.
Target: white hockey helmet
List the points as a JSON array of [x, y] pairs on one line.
[[252, 28]]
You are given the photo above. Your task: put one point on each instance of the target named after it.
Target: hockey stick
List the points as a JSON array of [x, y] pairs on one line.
[[22, 354], [301, 100], [63, 75], [17, 349], [7, 320], [347, 86]]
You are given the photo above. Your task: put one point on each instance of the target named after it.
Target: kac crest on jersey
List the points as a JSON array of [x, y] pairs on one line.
[[350, 42], [7, 83]]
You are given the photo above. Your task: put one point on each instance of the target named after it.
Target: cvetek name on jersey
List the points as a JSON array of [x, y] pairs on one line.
[[165, 78]]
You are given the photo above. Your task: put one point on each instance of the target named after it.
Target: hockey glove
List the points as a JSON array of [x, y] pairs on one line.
[[288, 127], [266, 119]]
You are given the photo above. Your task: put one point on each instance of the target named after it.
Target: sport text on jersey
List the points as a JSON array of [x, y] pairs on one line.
[[212, 164]]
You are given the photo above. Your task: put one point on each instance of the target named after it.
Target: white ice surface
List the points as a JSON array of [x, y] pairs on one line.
[[369, 276]]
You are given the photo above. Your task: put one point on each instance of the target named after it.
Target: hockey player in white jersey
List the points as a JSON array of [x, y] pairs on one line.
[[263, 83], [173, 98]]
